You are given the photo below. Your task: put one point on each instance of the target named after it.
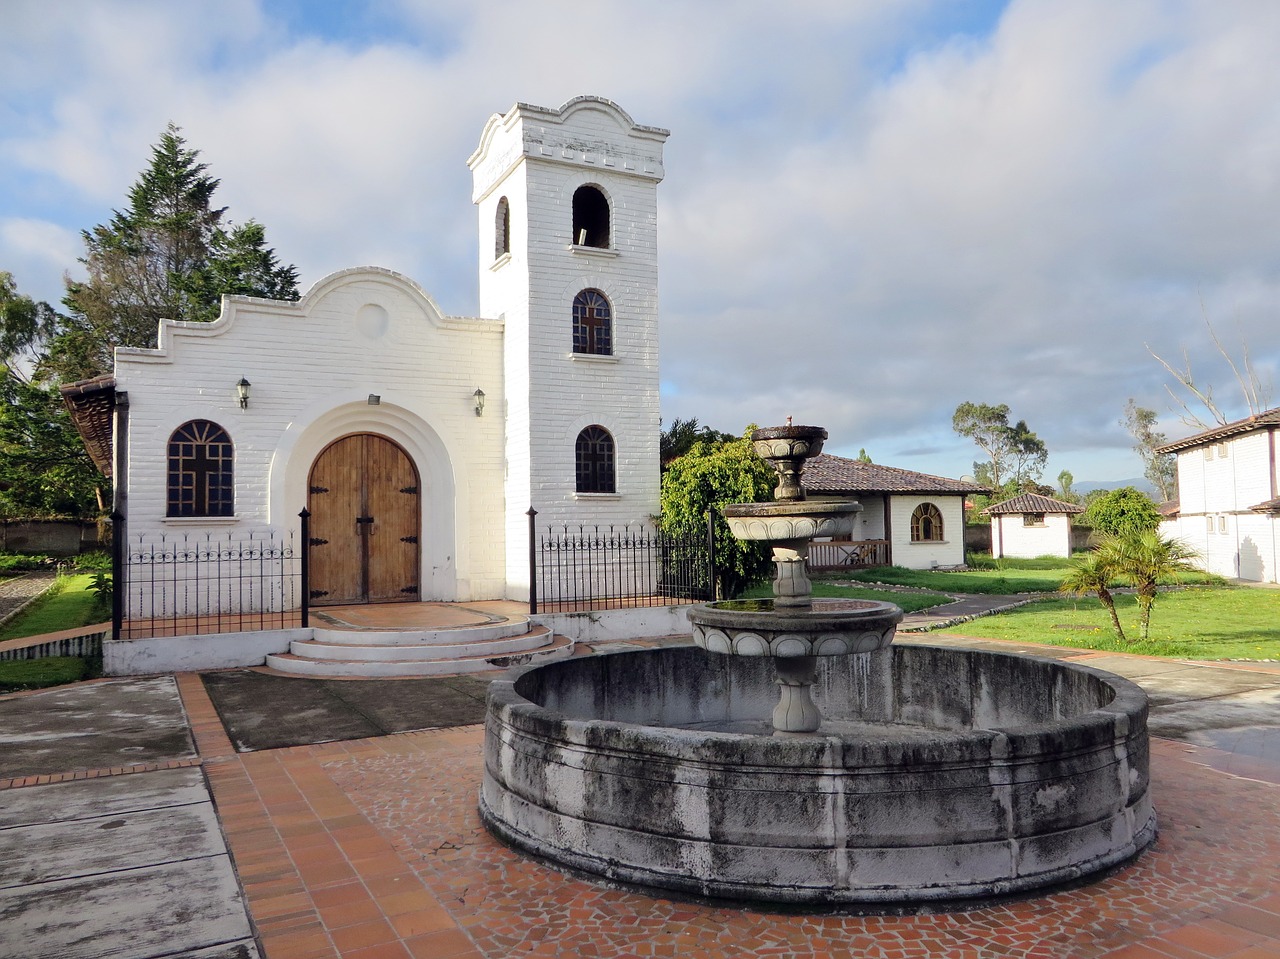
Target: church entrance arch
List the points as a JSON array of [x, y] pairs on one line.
[[365, 505]]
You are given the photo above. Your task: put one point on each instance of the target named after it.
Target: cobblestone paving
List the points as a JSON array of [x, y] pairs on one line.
[[1213, 877], [15, 592]]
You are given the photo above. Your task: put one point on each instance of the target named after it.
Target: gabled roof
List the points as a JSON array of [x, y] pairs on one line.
[[90, 403], [835, 474], [1033, 503], [1169, 509], [1267, 418], [1270, 506]]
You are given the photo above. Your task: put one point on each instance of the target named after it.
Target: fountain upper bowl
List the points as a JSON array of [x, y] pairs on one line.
[[790, 520]]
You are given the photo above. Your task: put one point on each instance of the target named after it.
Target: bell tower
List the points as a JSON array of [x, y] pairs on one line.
[[567, 200]]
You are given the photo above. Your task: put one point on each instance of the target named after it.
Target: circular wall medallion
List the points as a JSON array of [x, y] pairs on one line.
[[372, 321]]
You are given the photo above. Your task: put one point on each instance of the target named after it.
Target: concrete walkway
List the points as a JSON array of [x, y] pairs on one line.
[[371, 848]]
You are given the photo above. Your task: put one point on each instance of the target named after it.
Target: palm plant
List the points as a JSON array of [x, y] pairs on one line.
[[1144, 559], [1093, 574]]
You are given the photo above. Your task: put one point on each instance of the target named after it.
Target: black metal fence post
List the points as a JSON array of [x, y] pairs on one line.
[[533, 561], [711, 555], [119, 582], [305, 564]]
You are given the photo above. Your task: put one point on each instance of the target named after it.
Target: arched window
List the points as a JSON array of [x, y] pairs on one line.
[[926, 524], [592, 324], [200, 470], [593, 457], [502, 229], [590, 218]]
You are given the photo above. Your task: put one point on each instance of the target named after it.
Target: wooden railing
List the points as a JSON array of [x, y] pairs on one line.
[[848, 554]]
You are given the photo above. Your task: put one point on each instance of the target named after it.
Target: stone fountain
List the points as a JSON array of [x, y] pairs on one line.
[[799, 757], [793, 629]]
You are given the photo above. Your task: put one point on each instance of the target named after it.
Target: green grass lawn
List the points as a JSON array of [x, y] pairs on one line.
[[988, 576], [994, 581], [68, 603], [22, 674], [908, 602], [1199, 623]]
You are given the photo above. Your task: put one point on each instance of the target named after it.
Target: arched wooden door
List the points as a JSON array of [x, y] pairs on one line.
[[365, 515]]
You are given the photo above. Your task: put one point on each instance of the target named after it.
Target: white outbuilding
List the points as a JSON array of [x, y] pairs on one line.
[[1031, 525]]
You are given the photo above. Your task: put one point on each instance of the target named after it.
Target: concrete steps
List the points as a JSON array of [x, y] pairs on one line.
[[336, 653]]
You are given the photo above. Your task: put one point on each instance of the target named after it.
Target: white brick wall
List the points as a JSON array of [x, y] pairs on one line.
[[1011, 537], [1217, 485], [948, 552], [312, 366]]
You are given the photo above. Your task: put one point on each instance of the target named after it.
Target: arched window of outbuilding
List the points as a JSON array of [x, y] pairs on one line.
[[594, 459], [502, 229], [592, 324], [590, 217], [201, 473], [926, 524]]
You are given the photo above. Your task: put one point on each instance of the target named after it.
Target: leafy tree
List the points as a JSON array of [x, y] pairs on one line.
[[1160, 469], [44, 469], [24, 324], [1065, 491], [1014, 452], [1093, 574], [168, 255], [1027, 454], [1121, 511], [1144, 558], [710, 476], [681, 435], [863, 456]]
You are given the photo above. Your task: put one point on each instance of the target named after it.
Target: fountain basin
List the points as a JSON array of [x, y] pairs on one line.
[[827, 627], [938, 775]]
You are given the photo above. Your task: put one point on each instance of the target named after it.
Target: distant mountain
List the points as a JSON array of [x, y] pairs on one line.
[[1140, 483]]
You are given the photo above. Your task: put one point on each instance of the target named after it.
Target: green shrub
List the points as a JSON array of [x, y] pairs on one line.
[[95, 561], [25, 562]]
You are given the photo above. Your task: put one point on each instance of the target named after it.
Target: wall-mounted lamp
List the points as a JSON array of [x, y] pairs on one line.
[[375, 399], [242, 393], [478, 396]]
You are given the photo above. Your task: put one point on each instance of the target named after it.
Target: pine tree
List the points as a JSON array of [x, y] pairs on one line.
[[168, 255]]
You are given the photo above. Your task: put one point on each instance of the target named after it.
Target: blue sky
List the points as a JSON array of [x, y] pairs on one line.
[[873, 211]]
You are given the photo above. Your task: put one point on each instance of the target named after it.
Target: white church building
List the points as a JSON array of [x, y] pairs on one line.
[[417, 440]]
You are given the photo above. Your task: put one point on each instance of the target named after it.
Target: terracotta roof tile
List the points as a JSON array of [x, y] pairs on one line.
[[89, 402], [835, 474], [1246, 425], [1034, 503]]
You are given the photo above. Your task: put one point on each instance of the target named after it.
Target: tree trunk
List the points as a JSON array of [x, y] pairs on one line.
[[1105, 596]]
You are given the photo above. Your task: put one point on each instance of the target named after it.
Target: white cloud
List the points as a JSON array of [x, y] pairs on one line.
[[868, 218]]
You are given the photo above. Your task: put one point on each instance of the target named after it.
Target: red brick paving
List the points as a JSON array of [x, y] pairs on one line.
[[373, 849]]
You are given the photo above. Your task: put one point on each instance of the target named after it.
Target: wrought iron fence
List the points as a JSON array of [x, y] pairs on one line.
[[179, 584], [575, 569]]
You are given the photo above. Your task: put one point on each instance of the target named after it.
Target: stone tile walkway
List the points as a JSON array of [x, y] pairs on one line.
[[372, 849], [17, 592]]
